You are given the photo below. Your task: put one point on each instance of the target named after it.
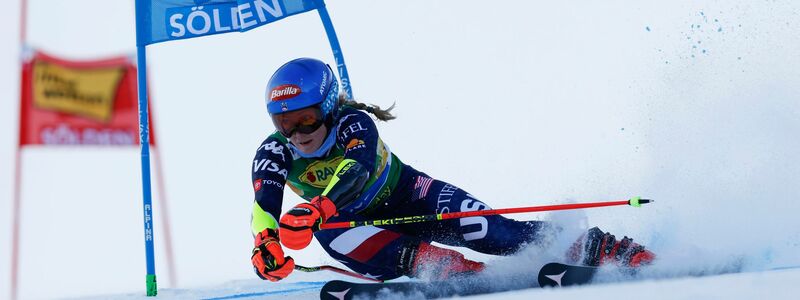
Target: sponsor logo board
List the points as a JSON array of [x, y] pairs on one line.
[[87, 92], [205, 19]]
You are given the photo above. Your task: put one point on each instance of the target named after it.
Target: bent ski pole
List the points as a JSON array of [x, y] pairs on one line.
[[335, 269], [635, 201]]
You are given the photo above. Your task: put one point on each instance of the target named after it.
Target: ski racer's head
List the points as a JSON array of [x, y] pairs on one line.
[[302, 100]]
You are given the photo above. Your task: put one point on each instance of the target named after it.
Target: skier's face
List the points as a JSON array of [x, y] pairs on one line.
[[309, 142]]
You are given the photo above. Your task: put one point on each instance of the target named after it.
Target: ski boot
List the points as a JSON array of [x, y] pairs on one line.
[[437, 263], [596, 248]]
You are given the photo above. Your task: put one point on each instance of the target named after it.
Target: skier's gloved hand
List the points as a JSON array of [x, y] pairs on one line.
[[268, 260], [299, 223]]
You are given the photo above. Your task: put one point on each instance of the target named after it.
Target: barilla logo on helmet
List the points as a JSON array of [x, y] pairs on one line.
[[284, 91]]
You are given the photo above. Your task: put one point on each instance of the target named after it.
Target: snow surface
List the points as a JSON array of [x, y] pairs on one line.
[[778, 284], [764, 285], [693, 103]]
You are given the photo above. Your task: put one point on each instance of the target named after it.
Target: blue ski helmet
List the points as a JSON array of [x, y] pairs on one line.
[[302, 83]]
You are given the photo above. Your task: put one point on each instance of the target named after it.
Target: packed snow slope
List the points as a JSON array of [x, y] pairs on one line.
[[778, 284], [693, 103]]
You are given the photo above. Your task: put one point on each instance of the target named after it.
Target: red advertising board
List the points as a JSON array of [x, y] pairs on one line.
[[79, 102]]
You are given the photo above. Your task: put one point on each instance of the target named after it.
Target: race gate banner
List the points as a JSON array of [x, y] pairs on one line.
[[79, 102], [166, 20]]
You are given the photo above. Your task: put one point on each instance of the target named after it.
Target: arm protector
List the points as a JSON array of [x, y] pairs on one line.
[[347, 183]]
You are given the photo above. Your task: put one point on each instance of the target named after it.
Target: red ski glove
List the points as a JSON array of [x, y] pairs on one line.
[[268, 260], [299, 223]]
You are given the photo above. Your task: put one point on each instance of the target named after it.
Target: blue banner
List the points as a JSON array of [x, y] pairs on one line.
[[167, 20]]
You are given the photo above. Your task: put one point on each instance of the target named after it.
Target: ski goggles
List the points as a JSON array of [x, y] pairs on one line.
[[306, 120]]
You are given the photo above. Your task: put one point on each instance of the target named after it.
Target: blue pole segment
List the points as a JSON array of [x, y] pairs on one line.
[[144, 139], [337, 50], [143, 8]]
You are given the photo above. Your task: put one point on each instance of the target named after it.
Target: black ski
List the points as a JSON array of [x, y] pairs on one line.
[[343, 290], [557, 275], [552, 274]]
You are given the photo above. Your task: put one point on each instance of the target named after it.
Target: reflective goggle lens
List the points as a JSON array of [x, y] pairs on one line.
[[305, 121]]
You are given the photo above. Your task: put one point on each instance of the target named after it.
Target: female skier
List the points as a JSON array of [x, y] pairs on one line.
[[328, 151]]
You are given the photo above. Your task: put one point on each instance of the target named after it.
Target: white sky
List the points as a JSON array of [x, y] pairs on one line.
[[519, 104]]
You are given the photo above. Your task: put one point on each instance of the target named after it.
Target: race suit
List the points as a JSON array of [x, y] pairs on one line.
[[392, 189]]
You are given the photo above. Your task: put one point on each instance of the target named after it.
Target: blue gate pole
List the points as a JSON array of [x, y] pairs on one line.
[[142, 8], [337, 50], [144, 140]]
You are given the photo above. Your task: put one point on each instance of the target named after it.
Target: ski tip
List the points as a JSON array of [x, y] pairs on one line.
[[561, 275], [638, 201], [336, 290]]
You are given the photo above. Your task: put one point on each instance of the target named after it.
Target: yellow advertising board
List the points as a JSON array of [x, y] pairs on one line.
[[84, 92]]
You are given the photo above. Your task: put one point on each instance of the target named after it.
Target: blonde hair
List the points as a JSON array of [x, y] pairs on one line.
[[381, 114]]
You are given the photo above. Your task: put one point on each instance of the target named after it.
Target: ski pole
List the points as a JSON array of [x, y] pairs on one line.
[[635, 202], [335, 269]]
